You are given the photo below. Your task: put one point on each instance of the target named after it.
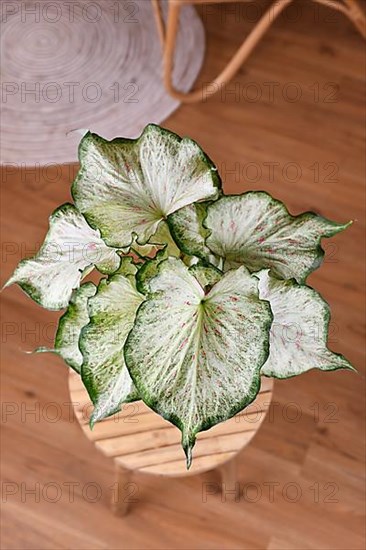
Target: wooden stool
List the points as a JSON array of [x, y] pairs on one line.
[[139, 440], [168, 36]]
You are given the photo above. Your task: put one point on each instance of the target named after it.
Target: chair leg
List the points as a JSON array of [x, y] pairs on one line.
[[121, 492], [159, 20], [350, 8], [233, 66], [357, 16]]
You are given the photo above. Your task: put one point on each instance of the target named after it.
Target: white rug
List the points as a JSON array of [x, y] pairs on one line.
[[91, 65]]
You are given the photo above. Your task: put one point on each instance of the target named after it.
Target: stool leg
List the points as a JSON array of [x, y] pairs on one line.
[[122, 491], [230, 485]]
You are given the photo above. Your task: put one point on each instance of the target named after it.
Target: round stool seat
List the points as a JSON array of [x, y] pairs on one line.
[[138, 439]]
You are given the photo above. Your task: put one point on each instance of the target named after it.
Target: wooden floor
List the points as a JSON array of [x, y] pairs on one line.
[[302, 477]]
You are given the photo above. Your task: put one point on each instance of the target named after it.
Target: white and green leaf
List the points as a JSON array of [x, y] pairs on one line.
[[299, 332], [161, 239], [202, 271], [256, 230], [112, 313], [69, 327], [148, 270], [70, 250], [195, 357], [207, 275], [186, 226], [127, 187]]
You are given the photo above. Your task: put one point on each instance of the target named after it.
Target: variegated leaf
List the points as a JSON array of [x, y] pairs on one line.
[[150, 267], [186, 226], [148, 270], [127, 187], [195, 357], [299, 332], [112, 313], [256, 230], [161, 239], [70, 249], [207, 275], [190, 260], [70, 325]]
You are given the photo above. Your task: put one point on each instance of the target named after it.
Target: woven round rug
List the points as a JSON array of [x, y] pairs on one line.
[[85, 65]]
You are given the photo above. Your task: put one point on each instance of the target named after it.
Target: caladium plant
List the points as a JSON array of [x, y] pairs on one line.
[[203, 293]]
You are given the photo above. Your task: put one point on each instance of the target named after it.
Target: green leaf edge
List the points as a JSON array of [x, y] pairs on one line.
[[126, 263], [203, 265], [327, 318], [64, 318], [82, 153], [143, 275], [191, 251], [28, 288], [308, 214], [212, 421]]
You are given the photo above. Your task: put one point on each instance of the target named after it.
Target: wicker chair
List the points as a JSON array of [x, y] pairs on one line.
[[168, 34]]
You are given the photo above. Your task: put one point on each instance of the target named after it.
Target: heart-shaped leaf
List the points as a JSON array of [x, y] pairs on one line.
[[195, 357], [70, 249], [127, 187], [112, 313], [299, 332], [256, 230]]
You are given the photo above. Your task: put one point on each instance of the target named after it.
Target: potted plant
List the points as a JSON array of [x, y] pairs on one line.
[[201, 293]]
